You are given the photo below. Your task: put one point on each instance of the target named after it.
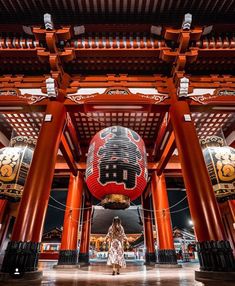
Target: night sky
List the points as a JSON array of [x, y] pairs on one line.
[[54, 217]]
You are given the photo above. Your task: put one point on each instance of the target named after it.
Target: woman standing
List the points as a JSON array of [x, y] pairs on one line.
[[116, 237]]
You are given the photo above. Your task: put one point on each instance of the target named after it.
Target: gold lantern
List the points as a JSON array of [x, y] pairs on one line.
[[15, 161], [220, 162]]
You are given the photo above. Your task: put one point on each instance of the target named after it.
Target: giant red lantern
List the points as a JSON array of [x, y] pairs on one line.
[[116, 167]]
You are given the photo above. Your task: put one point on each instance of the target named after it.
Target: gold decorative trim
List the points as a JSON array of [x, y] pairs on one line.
[[9, 92], [212, 141], [33, 98], [205, 98], [156, 97], [224, 92], [23, 139], [79, 98], [114, 91]]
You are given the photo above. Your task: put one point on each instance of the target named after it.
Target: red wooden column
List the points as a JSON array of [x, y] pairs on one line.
[[4, 229], [202, 202], [29, 223], [227, 210], [166, 249], [150, 256], [3, 205], [4, 220], [68, 250], [85, 234]]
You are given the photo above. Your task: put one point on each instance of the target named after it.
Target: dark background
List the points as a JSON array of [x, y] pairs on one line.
[[176, 192]]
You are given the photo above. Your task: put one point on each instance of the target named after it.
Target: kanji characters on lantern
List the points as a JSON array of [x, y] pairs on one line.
[[119, 158], [116, 166]]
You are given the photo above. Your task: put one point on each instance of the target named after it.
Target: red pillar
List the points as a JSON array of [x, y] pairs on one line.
[[85, 234], [227, 210], [69, 241], [3, 205], [150, 256], [202, 202], [4, 220], [166, 249], [30, 220], [4, 229]]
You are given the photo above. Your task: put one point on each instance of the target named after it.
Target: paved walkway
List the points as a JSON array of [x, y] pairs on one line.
[[133, 275]]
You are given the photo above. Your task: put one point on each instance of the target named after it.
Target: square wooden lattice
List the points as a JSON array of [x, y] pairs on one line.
[[25, 124], [145, 124], [208, 124]]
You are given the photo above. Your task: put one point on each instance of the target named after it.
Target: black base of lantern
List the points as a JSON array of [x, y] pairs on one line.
[[166, 256], [83, 258], [115, 201], [216, 256], [15, 199], [150, 258], [225, 198], [21, 257], [68, 257]]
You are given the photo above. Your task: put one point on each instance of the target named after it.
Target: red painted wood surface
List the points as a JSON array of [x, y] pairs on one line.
[[148, 225], [69, 238], [162, 212], [86, 229], [227, 210], [202, 202], [32, 211]]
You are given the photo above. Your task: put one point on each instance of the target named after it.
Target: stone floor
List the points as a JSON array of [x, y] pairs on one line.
[[136, 275]]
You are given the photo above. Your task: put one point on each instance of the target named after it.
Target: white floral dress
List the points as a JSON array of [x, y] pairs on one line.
[[116, 252]]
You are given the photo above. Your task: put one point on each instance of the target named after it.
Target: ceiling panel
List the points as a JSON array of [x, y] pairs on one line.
[[31, 11], [209, 124]]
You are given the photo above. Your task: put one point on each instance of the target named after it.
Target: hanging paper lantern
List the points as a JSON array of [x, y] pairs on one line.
[[116, 166], [220, 162], [15, 161]]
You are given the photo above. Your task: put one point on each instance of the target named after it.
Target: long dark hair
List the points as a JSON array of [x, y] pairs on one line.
[[116, 225]]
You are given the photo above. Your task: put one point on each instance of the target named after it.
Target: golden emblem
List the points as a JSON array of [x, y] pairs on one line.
[[225, 164], [9, 162]]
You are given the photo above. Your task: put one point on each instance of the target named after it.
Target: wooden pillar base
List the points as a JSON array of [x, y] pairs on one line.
[[166, 256], [68, 257], [83, 258], [216, 256], [150, 258], [22, 256]]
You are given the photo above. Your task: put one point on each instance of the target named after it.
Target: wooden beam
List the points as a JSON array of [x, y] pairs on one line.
[[72, 139], [166, 155], [12, 101], [162, 138], [68, 156], [205, 103], [147, 191]]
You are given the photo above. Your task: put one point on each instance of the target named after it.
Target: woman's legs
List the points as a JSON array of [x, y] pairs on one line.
[[114, 268], [118, 269]]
